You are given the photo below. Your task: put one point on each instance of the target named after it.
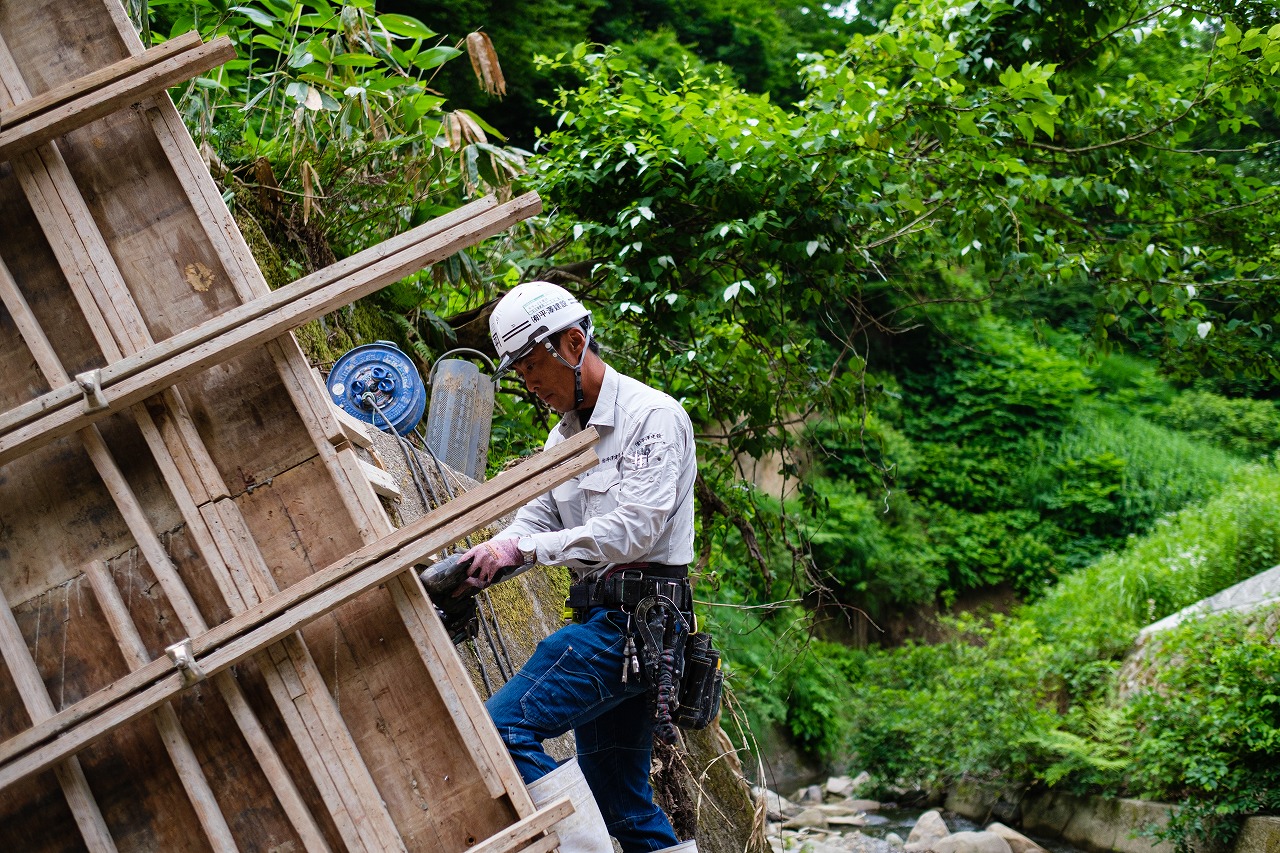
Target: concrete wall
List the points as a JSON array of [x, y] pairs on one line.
[[1095, 824]]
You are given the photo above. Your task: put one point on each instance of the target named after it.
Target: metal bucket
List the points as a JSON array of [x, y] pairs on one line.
[[460, 416], [378, 384]]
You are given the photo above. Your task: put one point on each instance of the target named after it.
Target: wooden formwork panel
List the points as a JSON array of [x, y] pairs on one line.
[[161, 520]]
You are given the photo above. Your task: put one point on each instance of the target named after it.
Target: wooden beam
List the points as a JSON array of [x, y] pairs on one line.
[[71, 108], [161, 365], [39, 707], [174, 738], [94, 80], [521, 831], [109, 600], [136, 362], [248, 633]]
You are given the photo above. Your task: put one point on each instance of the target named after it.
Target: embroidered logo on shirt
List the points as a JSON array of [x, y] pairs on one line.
[[641, 454]]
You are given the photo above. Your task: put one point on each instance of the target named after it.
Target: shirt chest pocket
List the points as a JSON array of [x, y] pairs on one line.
[[600, 492]]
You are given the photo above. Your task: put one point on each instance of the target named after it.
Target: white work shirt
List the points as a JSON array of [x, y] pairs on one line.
[[637, 504]]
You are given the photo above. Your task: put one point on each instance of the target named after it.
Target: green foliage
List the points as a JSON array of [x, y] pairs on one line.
[[1096, 758], [1250, 428], [868, 561], [1186, 556], [338, 99], [783, 678], [1112, 473], [755, 43], [994, 388], [1033, 697], [329, 115], [1208, 729], [925, 715], [1004, 464]]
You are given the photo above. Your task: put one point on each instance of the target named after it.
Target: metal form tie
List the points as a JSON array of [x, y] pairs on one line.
[[90, 383], [184, 658]]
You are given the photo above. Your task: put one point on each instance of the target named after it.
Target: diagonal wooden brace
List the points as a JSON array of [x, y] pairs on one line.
[[253, 630], [38, 120]]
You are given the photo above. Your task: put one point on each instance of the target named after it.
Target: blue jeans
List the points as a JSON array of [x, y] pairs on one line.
[[574, 681]]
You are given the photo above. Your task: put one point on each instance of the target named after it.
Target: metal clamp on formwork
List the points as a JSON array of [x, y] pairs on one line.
[[184, 658], [91, 384]]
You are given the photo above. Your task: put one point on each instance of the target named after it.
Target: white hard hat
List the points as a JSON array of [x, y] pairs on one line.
[[528, 315]]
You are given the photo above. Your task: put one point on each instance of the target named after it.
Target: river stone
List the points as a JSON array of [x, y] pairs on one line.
[[809, 796], [930, 827], [1018, 842], [863, 805], [971, 842], [894, 839], [842, 809], [846, 820], [840, 786], [776, 806], [810, 818]]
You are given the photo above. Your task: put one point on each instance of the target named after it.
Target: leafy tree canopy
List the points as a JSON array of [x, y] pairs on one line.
[[759, 251]]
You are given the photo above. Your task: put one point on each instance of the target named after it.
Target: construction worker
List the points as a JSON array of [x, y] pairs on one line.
[[632, 514]]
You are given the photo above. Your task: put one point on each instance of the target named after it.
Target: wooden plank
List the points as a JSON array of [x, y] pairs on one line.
[[41, 422], [353, 430], [39, 706], [94, 80], [523, 830], [353, 799], [354, 490], [131, 644], [219, 325], [382, 481], [216, 650], [545, 844], [219, 226], [452, 683], [487, 501], [90, 106], [217, 832], [510, 489], [317, 729]]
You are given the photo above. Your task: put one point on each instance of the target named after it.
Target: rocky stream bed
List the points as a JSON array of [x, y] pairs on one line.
[[829, 818]]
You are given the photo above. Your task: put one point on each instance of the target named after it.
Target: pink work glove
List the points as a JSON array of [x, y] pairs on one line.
[[487, 560]]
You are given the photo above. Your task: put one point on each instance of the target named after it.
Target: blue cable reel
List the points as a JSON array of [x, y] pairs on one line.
[[378, 384]]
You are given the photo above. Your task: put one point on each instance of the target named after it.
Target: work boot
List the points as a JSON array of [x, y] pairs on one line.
[[584, 831], [689, 846]]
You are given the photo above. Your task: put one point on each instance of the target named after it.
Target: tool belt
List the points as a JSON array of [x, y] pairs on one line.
[[681, 669], [624, 587]]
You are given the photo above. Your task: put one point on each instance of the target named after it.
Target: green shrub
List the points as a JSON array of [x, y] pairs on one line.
[[1186, 556], [972, 550], [1208, 729], [781, 677], [925, 715], [994, 390], [1250, 428], [1126, 380], [868, 560], [1112, 474]]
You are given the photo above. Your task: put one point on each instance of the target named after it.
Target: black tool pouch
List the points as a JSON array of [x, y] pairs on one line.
[[702, 684]]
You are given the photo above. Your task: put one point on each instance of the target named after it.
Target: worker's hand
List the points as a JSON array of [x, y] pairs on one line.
[[488, 559]]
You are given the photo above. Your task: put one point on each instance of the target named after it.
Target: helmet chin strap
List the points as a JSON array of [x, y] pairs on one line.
[[576, 368]]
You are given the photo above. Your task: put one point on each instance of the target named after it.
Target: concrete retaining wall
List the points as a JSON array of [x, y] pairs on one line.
[[1095, 824]]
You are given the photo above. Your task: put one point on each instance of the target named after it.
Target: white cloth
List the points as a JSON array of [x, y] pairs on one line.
[[637, 504]]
